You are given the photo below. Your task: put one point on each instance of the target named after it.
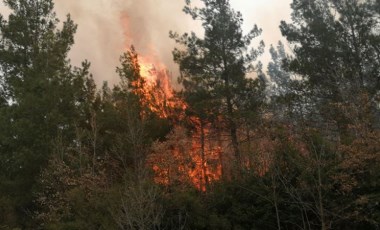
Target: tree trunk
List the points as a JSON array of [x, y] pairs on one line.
[[275, 202], [230, 114], [321, 211], [203, 158], [233, 132], [232, 124]]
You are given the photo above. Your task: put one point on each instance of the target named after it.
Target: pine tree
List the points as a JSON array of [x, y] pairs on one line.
[[279, 77], [336, 52], [213, 68], [42, 95]]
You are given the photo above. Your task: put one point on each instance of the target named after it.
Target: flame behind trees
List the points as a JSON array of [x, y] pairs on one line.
[[182, 157], [213, 69], [217, 96], [302, 165], [149, 85]]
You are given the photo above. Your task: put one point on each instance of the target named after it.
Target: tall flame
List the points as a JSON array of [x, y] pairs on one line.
[[180, 159], [156, 74], [158, 87], [175, 163]]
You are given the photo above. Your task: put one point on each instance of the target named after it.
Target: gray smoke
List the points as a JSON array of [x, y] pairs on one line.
[[106, 28]]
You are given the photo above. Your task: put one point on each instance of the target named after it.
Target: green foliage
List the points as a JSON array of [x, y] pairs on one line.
[[213, 69], [75, 157], [73, 198], [185, 210], [335, 46], [276, 72], [43, 96]]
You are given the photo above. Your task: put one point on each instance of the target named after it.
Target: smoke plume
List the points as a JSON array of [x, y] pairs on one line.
[[106, 28]]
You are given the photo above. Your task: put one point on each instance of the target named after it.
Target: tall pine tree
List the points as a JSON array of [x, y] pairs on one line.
[[42, 96], [336, 51], [214, 67]]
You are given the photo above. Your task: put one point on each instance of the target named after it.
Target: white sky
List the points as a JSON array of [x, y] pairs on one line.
[[103, 35]]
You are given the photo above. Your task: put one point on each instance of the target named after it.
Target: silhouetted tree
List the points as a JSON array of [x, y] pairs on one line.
[[213, 68]]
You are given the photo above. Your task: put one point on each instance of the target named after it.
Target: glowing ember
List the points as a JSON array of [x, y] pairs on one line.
[[179, 160]]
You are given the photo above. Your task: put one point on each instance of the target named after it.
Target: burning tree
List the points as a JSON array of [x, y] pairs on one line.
[[214, 69]]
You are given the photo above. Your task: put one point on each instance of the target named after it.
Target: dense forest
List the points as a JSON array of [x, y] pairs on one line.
[[291, 145]]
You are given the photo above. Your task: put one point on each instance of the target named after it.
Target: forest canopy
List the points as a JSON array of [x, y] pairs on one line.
[[294, 144]]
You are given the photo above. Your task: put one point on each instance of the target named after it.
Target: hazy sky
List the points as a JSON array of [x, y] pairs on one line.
[[107, 27]]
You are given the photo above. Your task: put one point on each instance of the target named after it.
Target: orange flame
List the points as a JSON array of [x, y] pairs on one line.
[[179, 159], [155, 73], [175, 163]]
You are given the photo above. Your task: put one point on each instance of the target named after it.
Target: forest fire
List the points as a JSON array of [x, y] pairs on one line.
[[157, 90], [183, 161], [154, 73], [179, 161], [195, 157], [298, 147]]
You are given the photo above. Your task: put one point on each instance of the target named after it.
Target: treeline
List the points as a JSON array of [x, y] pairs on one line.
[[295, 145]]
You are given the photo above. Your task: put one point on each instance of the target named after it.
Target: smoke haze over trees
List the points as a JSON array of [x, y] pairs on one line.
[[106, 27], [295, 147]]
